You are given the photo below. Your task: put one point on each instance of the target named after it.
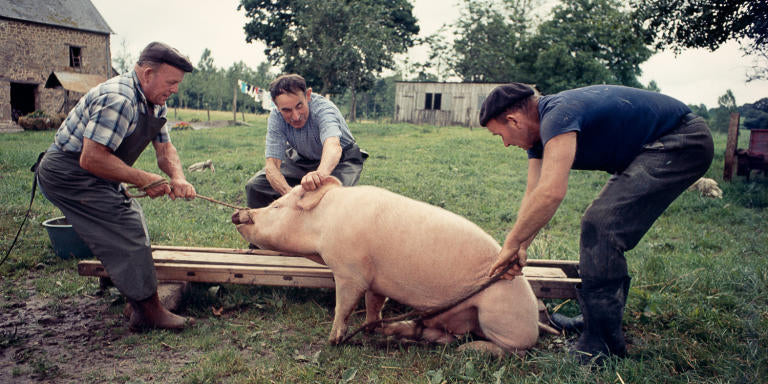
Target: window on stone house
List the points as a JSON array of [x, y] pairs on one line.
[[74, 57]]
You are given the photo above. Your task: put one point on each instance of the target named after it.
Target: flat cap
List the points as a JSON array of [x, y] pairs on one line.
[[163, 53], [501, 98]]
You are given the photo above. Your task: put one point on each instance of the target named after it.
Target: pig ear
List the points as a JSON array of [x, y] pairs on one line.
[[310, 199]]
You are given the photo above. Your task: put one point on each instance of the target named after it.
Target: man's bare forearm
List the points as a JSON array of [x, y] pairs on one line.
[[169, 162], [275, 177]]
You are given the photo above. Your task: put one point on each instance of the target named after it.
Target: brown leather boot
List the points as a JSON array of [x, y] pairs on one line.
[[150, 313]]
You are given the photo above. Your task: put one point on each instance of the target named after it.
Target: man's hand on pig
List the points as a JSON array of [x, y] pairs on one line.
[[313, 180], [516, 256]]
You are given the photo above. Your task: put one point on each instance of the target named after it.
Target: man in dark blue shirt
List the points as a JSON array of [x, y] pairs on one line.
[[652, 145]]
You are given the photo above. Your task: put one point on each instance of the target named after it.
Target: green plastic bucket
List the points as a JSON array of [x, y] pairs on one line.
[[65, 241]]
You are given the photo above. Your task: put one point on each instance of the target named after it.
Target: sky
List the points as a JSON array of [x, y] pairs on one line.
[[694, 76]]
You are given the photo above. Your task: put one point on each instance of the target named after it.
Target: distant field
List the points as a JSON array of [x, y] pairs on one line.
[[697, 311]]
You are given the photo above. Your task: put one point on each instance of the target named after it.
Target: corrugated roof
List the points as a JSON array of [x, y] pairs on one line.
[[75, 14], [72, 81]]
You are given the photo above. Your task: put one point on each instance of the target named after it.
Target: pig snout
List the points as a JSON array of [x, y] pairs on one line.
[[241, 217]]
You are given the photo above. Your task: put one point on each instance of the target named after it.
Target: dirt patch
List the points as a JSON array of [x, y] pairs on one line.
[[65, 341]]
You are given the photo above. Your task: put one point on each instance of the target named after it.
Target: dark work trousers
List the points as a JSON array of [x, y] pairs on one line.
[[633, 199], [260, 193], [111, 224]]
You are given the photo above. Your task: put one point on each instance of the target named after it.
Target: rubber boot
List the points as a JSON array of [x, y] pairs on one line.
[[150, 313], [613, 333], [602, 306], [568, 324]]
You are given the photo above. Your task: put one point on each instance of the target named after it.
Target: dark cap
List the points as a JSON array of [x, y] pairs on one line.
[[163, 53], [501, 98]]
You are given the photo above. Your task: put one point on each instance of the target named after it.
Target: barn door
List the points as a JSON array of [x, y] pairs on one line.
[[23, 99]]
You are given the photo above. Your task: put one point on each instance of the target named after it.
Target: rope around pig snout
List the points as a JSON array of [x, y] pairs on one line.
[[143, 193], [420, 316]]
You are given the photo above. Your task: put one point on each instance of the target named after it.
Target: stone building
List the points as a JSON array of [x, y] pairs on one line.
[[61, 43], [440, 103]]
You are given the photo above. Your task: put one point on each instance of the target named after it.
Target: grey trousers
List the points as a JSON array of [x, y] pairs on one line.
[[111, 224], [260, 193], [632, 200]]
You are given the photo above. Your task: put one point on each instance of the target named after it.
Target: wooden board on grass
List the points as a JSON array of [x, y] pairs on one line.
[[549, 278]]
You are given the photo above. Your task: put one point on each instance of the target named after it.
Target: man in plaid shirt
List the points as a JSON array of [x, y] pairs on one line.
[[93, 153]]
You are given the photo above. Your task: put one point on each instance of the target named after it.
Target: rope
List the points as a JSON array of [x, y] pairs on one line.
[[143, 193], [29, 209], [420, 316]]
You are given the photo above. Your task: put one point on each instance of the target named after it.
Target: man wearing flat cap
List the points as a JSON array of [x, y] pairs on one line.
[[93, 153], [651, 144]]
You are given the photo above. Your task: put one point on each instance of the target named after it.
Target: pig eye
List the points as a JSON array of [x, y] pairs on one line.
[[276, 206]]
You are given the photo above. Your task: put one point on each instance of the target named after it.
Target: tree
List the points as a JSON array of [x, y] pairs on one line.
[[708, 24], [586, 42], [489, 35], [441, 57], [721, 116], [755, 116], [123, 60], [377, 102], [727, 101], [653, 86], [700, 110], [333, 44]]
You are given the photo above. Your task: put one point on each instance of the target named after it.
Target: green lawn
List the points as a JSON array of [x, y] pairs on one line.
[[697, 311]]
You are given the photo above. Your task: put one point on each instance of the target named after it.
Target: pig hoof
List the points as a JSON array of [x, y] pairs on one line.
[[483, 347], [337, 336]]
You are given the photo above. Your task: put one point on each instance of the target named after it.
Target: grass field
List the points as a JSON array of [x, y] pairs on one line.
[[697, 310]]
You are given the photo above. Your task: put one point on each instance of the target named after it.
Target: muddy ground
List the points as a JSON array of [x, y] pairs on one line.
[[70, 340]]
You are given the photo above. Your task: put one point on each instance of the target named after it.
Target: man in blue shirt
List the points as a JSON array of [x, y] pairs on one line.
[[652, 145], [307, 141]]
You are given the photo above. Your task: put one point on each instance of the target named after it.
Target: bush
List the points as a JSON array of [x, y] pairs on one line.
[[40, 121]]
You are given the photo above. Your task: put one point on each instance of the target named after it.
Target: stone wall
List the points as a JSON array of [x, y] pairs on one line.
[[29, 52]]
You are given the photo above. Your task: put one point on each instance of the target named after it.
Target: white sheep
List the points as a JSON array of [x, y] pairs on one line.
[[707, 187]]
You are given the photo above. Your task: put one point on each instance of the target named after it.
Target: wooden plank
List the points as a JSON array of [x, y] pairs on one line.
[[730, 147], [233, 259], [548, 278], [552, 288], [238, 251], [275, 276], [569, 267], [541, 279]]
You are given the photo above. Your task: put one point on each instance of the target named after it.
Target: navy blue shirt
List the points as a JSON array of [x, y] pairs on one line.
[[613, 123]]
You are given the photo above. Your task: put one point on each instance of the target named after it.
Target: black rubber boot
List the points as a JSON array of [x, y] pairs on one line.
[[568, 324], [613, 333], [602, 305]]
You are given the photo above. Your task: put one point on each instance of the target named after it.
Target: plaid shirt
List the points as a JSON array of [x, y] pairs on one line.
[[107, 114]]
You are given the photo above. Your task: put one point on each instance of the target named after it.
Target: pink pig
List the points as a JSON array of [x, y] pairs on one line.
[[386, 245]]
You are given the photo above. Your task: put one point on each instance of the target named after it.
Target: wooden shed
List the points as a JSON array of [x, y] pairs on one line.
[[44, 39], [440, 103]]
